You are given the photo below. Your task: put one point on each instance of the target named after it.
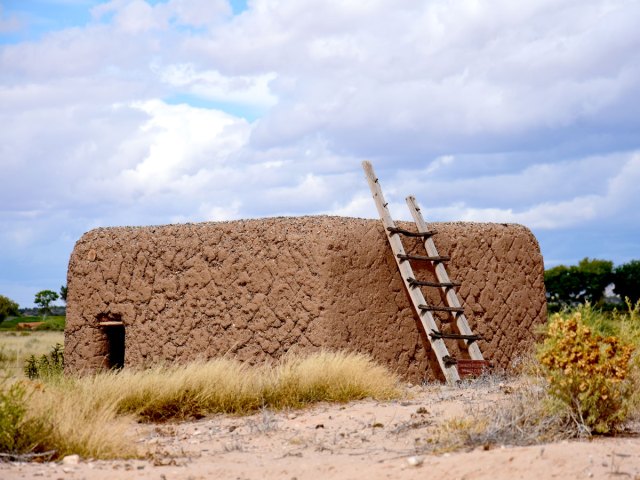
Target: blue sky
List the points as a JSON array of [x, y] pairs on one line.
[[128, 112]]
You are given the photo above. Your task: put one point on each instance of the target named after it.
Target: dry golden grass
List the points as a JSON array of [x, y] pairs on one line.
[[528, 416], [91, 416], [332, 377], [163, 393], [16, 347], [227, 386], [76, 423]]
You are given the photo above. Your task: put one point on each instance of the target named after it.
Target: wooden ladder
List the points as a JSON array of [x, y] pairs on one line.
[[453, 369]]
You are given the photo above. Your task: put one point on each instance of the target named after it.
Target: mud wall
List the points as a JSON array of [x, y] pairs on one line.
[[255, 289]]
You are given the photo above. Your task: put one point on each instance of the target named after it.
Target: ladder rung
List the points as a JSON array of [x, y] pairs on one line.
[[470, 338], [416, 283], [423, 258], [407, 233], [472, 368], [448, 360], [441, 309]]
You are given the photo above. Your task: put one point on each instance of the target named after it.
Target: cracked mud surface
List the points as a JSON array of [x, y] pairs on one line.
[[255, 289]]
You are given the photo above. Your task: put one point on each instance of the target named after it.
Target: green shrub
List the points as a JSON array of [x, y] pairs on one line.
[[47, 366], [7, 308], [53, 323], [623, 322], [628, 323], [588, 372], [627, 281], [18, 432], [585, 282]]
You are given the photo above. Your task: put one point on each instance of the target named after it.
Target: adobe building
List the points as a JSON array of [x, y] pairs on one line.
[[255, 289]]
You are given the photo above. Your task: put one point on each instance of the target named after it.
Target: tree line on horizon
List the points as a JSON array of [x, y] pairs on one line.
[[568, 286], [43, 299]]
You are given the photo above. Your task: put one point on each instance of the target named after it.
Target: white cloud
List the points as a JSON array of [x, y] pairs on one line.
[[440, 72], [252, 90], [200, 13], [545, 216], [439, 163], [617, 203], [576, 203], [218, 213], [492, 111], [138, 16], [303, 195], [361, 205], [9, 24], [483, 182], [20, 236], [183, 140]]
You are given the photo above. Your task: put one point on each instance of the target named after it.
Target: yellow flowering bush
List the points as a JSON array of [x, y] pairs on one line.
[[588, 372]]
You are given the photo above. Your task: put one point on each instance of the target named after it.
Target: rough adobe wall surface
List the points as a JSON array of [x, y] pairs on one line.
[[255, 289]]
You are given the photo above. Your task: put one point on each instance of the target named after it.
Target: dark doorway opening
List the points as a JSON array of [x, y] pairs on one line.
[[115, 346], [113, 338]]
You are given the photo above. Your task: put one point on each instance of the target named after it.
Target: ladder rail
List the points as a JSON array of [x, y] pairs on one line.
[[417, 298], [443, 277]]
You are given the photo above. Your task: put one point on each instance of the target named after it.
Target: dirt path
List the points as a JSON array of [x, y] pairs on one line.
[[364, 439]]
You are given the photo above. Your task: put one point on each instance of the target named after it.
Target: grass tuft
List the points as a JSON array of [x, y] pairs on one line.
[[92, 416], [36, 418], [18, 432], [529, 416], [17, 347], [327, 376], [48, 366], [228, 386], [79, 424]]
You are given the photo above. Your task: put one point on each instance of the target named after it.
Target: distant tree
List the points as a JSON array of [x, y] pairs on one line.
[[7, 308], [595, 275], [63, 293], [626, 278], [43, 300], [563, 286], [578, 283]]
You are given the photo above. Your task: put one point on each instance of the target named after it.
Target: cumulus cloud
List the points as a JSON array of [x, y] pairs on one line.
[[428, 75], [9, 23], [243, 89], [182, 141], [139, 16], [593, 191], [487, 111]]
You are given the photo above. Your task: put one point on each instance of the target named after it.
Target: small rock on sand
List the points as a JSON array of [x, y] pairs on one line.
[[71, 460]]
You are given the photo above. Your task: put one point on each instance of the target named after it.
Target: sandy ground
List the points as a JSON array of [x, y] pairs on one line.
[[365, 439]]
